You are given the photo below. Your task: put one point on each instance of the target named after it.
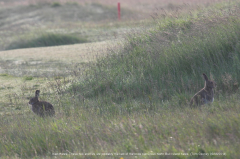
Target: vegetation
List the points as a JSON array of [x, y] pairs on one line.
[[46, 40], [135, 100], [47, 23], [169, 61], [28, 78]]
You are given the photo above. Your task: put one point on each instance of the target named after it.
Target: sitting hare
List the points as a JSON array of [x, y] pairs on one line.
[[41, 108], [205, 95]]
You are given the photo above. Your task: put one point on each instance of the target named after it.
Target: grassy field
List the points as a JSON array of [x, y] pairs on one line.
[[126, 94]]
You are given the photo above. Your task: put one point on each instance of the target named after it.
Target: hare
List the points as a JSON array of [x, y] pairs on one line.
[[205, 95], [41, 108]]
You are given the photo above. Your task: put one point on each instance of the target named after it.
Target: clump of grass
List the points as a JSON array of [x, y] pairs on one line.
[[28, 78], [55, 4], [57, 77], [50, 39], [3, 74]]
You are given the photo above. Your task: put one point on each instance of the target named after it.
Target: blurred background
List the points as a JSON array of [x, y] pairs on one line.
[[90, 20]]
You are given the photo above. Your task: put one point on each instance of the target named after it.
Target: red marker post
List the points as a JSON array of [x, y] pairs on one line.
[[119, 11]]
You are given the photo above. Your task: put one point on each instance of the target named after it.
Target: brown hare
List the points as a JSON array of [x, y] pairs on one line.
[[205, 95], [41, 108]]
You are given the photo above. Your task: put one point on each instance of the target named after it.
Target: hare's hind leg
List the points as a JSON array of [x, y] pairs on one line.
[[196, 101]]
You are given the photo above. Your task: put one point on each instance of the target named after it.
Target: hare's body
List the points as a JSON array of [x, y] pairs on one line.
[[41, 108], [205, 95]]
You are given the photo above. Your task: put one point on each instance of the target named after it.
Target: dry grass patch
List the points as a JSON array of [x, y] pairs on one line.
[[66, 53]]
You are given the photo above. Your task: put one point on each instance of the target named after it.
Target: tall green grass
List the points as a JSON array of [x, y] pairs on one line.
[[170, 60], [212, 128]]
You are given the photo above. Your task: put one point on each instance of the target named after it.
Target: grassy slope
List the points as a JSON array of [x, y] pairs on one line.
[[142, 93], [170, 60]]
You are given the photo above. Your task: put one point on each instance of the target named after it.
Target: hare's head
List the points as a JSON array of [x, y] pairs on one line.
[[208, 83], [34, 99]]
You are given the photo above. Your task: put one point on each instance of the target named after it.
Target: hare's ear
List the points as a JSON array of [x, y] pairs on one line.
[[37, 93], [205, 77]]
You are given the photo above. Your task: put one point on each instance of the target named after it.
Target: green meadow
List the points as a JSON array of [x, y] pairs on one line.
[[125, 94]]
